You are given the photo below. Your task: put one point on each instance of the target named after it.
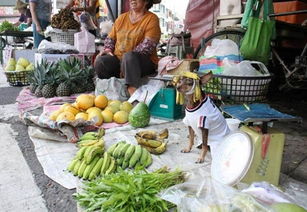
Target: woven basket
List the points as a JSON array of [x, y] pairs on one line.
[[17, 78], [63, 37], [239, 89]]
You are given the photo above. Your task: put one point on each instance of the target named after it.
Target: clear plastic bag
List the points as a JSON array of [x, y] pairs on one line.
[[204, 194]]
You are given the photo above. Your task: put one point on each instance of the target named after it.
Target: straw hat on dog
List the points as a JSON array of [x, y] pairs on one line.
[[20, 5]]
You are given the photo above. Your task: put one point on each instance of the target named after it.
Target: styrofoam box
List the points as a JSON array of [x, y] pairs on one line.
[[49, 57]]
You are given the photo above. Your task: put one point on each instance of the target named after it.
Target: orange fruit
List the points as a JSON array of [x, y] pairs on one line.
[[95, 117], [82, 115], [66, 115], [101, 101], [91, 109], [121, 117], [85, 101], [71, 109]]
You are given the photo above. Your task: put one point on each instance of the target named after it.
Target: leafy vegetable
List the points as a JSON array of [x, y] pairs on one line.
[[7, 26], [129, 191]]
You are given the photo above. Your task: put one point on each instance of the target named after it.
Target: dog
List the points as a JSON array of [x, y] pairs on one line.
[[202, 116]]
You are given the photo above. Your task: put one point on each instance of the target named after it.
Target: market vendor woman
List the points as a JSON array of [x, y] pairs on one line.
[[25, 14], [130, 48]]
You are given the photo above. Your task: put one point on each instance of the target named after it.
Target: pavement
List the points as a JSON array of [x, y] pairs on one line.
[[24, 187]]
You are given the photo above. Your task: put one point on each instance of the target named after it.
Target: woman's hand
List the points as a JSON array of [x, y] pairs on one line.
[[105, 52], [38, 28]]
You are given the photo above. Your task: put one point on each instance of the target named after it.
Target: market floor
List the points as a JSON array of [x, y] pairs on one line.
[[28, 189]]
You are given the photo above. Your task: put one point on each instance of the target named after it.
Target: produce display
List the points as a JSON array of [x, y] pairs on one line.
[[98, 109], [64, 20], [61, 79], [139, 115], [92, 160], [22, 64], [7, 26], [129, 155], [129, 191], [152, 141]]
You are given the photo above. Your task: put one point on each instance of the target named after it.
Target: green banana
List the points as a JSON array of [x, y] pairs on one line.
[[72, 164], [89, 136], [88, 149], [87, 142], [136, 156], [129, 152], [106, 163], [81, 152], [96, 170], [76, 167], [144, 156], [112, 167], [117, 150], [81, 168], [100, 142], [112, 148], [149, 161], [90, 167], [123, 150], [119, 161], [125, 164], [92, 153]]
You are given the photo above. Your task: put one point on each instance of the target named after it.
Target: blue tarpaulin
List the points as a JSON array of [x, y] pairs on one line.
[[257, 112]]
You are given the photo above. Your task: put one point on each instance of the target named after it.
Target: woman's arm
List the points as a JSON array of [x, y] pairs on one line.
[[34, 16], [146, 47]]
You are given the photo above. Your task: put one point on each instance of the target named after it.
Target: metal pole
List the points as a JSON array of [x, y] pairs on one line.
[[110, 10]]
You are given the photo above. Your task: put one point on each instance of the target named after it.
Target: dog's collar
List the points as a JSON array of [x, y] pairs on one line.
[[192, 90]]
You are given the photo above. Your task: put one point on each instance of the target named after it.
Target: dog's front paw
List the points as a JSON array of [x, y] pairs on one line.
[[186, 150], [200, 160]]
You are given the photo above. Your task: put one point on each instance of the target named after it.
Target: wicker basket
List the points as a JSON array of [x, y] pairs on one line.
[[17, 78], [235, 89], [64, 36]]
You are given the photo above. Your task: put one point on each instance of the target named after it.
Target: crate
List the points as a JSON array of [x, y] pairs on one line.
[[17, 78], [64, 36], [239, 89], [164, 106]]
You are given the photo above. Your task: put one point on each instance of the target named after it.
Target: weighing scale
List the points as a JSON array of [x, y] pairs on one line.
[[254, 152]]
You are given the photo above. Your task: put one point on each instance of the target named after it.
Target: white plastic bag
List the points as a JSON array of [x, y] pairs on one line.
[[222, 48], [84, 41], [245, 68], [113, 88]]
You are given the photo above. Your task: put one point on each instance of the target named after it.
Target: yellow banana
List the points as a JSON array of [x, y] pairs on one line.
[[163, 134], [148, 142], [87, 142], [158, 150], [148, 134]]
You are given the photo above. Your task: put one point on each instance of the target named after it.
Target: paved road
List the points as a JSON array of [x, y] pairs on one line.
[[24, 187]]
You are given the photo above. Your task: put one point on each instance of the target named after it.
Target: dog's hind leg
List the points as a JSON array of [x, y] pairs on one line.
[[204, 145], [191, 140]]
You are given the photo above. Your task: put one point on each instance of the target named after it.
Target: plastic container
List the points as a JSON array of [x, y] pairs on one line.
[[245, 156], [163, 105]]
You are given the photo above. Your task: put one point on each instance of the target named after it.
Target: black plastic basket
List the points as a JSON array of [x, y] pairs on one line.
[[239, 89], [17, 78]]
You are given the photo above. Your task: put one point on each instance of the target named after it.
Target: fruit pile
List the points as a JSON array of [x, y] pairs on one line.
[[22, 64], [63, 78], [152, 141], [64, 20], [129, 155], [98, 109]]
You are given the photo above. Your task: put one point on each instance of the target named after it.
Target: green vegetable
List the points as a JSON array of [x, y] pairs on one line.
[[139, 116], [7, 26], [129, 191]]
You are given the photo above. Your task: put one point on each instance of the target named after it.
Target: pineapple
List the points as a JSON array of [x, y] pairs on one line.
[[38, 91], [63, 89], [51, 79]]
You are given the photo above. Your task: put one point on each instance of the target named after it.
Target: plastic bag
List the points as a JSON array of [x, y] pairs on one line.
[[245, 68], [58, 47], [204, 194], [113, 88], [84, 41], [222, 47]]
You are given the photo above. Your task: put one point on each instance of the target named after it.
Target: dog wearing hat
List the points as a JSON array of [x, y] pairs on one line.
[[203, 118]]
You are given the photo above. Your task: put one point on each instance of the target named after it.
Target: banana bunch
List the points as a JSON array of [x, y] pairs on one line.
[[92, 138], [87, 162], [130, 156], [152, 141]]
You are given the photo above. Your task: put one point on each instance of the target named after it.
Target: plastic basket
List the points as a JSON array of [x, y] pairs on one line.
[[64, 36], [17, 78], [236, 89]]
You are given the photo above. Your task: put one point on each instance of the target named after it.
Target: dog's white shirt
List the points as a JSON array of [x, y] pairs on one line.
[[206, 115]]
